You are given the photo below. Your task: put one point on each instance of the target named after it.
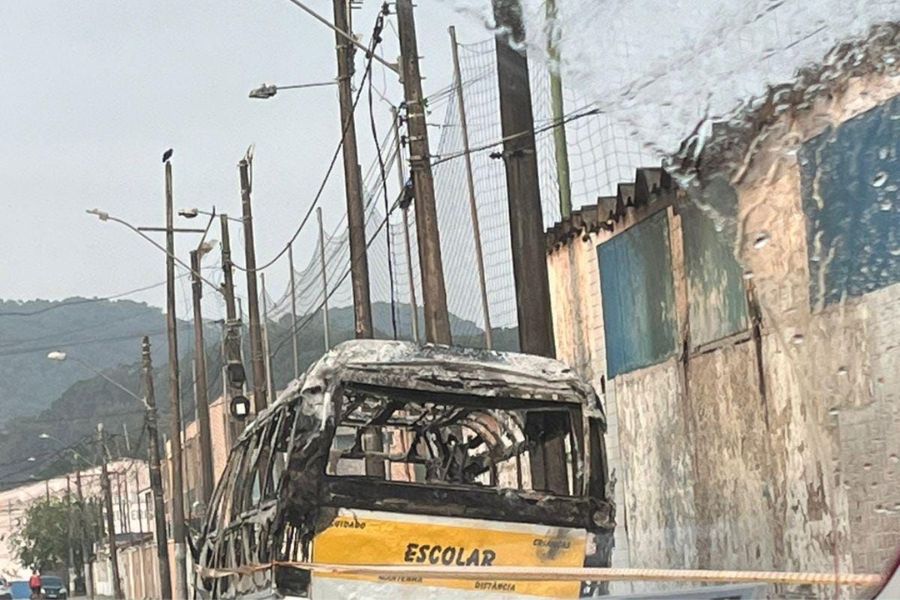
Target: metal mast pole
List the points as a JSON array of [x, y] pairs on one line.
[[256, 345], [413, 305], [356, 218], [325, 325], [470, 181], [178, 530], [294, 341], [159, 502], [437, 321], [202, 393], [525, 216]]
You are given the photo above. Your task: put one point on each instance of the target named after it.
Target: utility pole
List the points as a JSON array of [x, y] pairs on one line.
[[470, 180], [70, 532], [137, 497], [159, 502], [560, 144], [178, 531], [86, 551], [520, 159], [202, 393], [325, 325], [294, 341], [356, 219], [110, 522], [256, 345], [270, 374], [437, 321], [404, 207], [234, 384]]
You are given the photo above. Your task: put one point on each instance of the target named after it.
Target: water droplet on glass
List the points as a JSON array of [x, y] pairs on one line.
[[797, 339], [880, 179], [761, 240]]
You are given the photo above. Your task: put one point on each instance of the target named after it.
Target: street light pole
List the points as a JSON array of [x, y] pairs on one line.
[[356, 218], [256, 346], [178, 531]]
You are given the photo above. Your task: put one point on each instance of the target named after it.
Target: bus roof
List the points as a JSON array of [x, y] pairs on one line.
[[447, 369]]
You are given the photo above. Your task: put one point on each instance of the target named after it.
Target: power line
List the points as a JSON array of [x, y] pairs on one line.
[[81, 301], [334, 288], [376, 38], [87, 342], [390, 262]]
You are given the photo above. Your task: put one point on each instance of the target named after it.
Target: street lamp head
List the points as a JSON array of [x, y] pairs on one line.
[[206, 247], [264, 92], [57, 356], [188, 213], [102, 214]]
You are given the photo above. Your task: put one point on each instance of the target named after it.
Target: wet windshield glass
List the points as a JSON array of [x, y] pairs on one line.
[[562, 298]]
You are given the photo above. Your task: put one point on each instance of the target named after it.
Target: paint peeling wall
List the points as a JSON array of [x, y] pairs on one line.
[[775, 447]]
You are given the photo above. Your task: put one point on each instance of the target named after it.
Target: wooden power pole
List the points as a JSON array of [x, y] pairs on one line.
[[257, 357], [178, 529], [159, 502], [235, 375], [356, 218], [86, 550], [519, 156], [434, 293], [110, 521], [202, 392]]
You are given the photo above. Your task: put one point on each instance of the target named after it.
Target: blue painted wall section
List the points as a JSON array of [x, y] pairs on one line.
[[717, 300], [638, 296], [850, 177]]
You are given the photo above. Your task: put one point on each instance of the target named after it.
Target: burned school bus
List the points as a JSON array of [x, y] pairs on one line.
[[390, 453]]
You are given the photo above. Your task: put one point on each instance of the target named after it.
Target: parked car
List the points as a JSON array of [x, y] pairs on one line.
[[19, 590], [54, 588], [5, 593]]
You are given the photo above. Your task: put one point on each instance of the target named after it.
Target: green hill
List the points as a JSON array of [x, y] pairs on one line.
[[65, 401]]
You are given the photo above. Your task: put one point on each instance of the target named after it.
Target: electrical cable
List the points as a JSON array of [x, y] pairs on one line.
[[81, 301], [376, 38], [572, 116], [390, 261], [294, 330]]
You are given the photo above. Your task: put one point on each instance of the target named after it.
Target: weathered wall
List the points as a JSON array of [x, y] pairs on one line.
[[770, 447]]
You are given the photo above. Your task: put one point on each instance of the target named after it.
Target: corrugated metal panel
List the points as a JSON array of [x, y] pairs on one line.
[[638, 296], [717, 302], [850, 176]]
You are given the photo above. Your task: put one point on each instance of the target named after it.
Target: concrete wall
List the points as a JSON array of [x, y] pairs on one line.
[[774, 448]]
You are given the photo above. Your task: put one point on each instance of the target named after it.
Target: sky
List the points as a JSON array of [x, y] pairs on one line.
[[96, 91]]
